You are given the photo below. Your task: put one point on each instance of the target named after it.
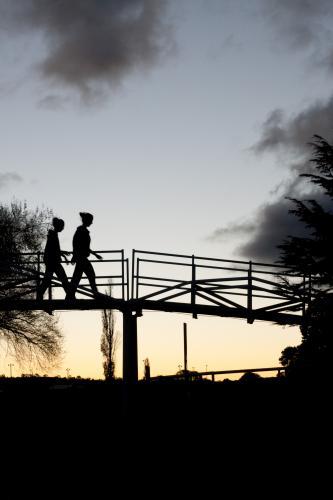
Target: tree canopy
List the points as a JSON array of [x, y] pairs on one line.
[[30, 336], [313, 257]]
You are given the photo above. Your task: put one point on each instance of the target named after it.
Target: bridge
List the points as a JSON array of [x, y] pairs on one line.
[[163, 282]]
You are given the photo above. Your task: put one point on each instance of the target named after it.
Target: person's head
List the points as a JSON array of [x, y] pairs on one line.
[[87, 218], [58, 224]]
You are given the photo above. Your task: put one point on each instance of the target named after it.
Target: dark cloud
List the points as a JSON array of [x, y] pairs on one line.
[[91, 45], [303, 25], [8, 177], [293, 134], [273, 223], [288, 138], [269, 227]]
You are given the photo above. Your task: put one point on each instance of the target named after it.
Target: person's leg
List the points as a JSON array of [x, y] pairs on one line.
[[77, 275], [90, 273], [60, 272], [49, 270]]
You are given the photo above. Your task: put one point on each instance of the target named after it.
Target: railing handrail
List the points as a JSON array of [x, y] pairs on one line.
[[184, 256], [219, 372]]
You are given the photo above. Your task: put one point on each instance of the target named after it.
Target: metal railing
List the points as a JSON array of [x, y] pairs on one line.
[[251, 287], [174, 282], [194, 375], [22, 275]]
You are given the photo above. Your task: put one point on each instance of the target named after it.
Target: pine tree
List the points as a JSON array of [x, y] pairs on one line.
[[313, 256]]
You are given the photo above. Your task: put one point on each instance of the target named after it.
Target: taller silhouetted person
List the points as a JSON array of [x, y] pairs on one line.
[[81, 252], [52, 259]]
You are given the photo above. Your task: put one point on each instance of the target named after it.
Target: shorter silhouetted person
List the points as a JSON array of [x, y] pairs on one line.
[[81, 252], [52, 259]]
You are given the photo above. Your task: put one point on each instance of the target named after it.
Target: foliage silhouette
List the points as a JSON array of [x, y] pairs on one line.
[[30, 336], [109, 340], [313, 256]]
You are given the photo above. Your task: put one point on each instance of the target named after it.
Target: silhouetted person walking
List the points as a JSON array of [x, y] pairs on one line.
[[52, 259], [81, 252]]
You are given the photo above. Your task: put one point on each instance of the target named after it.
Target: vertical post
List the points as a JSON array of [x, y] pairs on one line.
[[194, 314], [185, 350], [304, 295], [133, 267], [127, 280], [249, 294], [122, 275], [38, 273], [310, 289], [130, 347], [137, 278]]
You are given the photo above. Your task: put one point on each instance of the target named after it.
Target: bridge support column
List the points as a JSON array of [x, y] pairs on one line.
[[130, 347]]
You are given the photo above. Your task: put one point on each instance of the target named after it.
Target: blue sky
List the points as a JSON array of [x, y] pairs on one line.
[[165, 156]]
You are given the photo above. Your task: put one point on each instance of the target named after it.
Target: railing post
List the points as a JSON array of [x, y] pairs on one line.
[[133, 267], [127, 279], [38, 273], [310, 289], [122, 275], [137, 278], [249, 295], [193, 287], [304, 295], [130, 347]]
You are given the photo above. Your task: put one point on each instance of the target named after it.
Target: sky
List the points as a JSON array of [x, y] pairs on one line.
[[182, 126]]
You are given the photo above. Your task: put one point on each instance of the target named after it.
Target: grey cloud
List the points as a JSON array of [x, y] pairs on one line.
[[92, 45], [232, 230], [302, 25], [53, 102], [8, 177], [273, 224], [292, 135]]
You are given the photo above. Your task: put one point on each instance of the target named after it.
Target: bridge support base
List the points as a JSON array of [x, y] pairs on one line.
[[130, 347]]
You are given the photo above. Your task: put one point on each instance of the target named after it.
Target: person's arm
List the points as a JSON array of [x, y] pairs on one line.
[[99, 257]]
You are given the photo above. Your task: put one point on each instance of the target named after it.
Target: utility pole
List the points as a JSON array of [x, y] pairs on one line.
[[68, 370], [10, 369]]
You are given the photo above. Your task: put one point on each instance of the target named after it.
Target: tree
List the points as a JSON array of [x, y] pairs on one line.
[[30, 336], [109, 340], [250, 377], [313, 257]]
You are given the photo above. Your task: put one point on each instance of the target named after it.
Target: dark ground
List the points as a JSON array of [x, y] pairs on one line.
[[194, 437]]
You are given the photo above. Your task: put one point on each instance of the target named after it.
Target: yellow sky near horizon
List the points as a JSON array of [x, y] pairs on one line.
[[214, 343]]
